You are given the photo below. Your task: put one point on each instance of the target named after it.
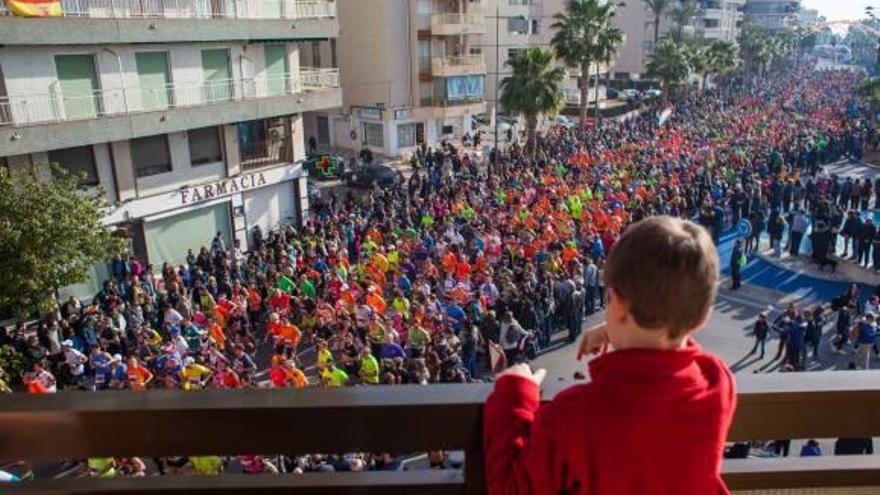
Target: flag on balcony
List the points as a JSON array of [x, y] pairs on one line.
[[35, 8]]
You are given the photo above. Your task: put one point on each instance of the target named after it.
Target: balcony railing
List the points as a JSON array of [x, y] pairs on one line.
[[458, 24], [199, 9], [396, 419], [458, 65], [56, 107]]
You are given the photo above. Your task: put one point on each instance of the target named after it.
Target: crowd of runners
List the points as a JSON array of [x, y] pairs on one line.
[[455, 271]]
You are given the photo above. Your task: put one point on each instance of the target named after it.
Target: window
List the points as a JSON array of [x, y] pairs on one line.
[[78, 161], [534, 26], [373, 134], [204, 145], [512, 53], [426, 90], [517, 25], [424, 49], [150, 155], [710, 23], [406, 135]]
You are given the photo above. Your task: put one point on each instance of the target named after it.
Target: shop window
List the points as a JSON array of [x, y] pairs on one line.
[[406, 135], [374, 134], [150, 155]]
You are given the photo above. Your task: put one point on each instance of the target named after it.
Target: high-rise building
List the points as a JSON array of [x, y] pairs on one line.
[[413, 72], [773, 14], [187, 112]]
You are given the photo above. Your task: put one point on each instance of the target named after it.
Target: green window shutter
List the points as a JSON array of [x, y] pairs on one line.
[[217, 74], [154, 80], [276, 69], [78, 84]]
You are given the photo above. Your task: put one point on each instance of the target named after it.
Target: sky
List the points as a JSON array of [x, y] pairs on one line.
[[837, 10]]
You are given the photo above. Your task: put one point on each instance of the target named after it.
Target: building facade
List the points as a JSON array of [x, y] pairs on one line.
[[512, 25], [720, 19], [188, 113], [413, 73], [774, 14], [715, 20]]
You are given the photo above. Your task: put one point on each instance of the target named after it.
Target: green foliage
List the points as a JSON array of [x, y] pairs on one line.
[[759, 48], [668, 63], [723, 56], [50, 236], [869, 89], [584, 35], [534, 87], [13, 366]]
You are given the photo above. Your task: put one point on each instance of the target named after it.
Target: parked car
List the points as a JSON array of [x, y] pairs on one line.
[[366, 175], [611, 93], [629, 94], [651, 93]]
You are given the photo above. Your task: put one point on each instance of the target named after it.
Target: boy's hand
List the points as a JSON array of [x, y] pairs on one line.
[[594, 341], [524, 371]]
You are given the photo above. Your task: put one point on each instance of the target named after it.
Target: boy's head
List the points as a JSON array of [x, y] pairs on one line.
[[661, 277]]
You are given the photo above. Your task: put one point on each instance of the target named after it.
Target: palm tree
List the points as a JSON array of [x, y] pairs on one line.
[[609, 41], [682, 14], [668, 63], [581, 37], [534, 88], [723, 56], [659, 8], [763, 54], [698, 61]]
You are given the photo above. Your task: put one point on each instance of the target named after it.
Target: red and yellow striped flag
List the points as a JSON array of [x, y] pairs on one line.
[[35, 8]]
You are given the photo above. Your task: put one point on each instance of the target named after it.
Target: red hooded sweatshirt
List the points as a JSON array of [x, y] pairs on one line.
[[650, 421]]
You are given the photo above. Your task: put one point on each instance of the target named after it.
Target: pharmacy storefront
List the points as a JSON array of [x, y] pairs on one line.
[[164, 227]]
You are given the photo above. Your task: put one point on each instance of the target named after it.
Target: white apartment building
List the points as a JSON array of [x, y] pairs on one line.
[[413, 74], [716, 19], [720, 19], [774, 14], [187, 112], [512, 25]]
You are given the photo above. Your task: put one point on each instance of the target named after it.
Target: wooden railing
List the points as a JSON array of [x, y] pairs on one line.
[[395, 419]]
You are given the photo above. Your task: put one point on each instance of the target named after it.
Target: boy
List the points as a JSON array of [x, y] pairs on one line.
[[655, 415]]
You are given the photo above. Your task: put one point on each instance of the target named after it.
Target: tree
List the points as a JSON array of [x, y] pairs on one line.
[[751, 41], [606, 49], [722, 57], [698, 61], [534, 88], [682, 13], [584, 35], [660, 8], [668, 63], [51, 235]]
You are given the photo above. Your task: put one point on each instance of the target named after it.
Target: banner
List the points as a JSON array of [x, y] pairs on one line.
[[35, 8]]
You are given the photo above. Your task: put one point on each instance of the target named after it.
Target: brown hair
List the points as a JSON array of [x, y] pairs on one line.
[[666, 269]]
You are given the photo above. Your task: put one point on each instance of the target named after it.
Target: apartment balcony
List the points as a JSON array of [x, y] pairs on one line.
[[144, 21], [449, 417], [712, 13], [457, 24], [466, 65], [713, 33], [30, 123], [572, 96]]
